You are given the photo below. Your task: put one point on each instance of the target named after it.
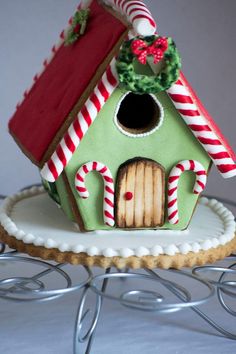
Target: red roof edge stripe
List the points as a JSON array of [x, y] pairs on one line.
[[208, 117]]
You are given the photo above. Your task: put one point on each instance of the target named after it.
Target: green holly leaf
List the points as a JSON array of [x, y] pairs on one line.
[[78, 26]]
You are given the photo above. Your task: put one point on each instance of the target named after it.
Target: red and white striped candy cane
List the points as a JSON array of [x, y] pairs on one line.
[[77, 130], [108, 198], [202, 130], [175, 173], [137, 14]]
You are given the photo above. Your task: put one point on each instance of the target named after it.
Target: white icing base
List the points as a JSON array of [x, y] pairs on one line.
[[31, 216]]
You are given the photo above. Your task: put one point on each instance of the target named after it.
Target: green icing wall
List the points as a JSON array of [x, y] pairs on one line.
[[64, 198], [171, 143]]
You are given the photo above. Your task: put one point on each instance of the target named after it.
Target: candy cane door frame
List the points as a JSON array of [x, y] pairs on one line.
[[140, 191]]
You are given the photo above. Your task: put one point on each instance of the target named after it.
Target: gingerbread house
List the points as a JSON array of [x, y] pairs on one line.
[[111, 100]]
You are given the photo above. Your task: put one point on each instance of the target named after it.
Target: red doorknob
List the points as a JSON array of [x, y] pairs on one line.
[[128, 195]]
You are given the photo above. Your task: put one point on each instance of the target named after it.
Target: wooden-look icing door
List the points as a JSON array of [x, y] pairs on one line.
[[140, 194]]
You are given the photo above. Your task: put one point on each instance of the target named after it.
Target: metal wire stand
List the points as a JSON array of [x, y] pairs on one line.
[[160, 291], [164, 295]]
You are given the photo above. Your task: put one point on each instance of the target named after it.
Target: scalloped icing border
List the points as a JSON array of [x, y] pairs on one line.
[[139, 135], [171, 250]]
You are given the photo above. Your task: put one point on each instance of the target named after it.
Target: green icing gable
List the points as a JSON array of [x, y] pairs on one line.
[[168, 145]]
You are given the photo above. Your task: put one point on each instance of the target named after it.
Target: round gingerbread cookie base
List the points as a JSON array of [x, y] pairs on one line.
[[31, 223], [162, 261]]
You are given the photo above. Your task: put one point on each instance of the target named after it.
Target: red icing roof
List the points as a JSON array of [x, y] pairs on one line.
[[53, 96]]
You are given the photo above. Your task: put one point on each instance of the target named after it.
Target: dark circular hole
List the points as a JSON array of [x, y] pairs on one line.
[[138, 113]]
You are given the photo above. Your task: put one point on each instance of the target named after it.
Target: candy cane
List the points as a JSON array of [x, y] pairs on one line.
[[175, 173], [197, 122], [137, 13], [108, 199], [79, 127]]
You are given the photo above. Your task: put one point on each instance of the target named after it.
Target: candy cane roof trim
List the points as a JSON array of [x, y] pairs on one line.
[[203, 127], [208, 117], [65, 82]]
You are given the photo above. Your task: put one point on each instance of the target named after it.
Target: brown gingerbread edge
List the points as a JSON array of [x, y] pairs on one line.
[[74, 206], [162, 261]]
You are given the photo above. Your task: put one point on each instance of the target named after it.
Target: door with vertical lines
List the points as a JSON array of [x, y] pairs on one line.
[[140, 194]]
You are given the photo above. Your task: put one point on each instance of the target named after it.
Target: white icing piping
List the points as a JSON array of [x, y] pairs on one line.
[[225, 215], [139, 135], [136, 13]]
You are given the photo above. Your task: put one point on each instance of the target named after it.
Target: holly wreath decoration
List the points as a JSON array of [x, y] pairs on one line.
[[78, 26], [140, 48]]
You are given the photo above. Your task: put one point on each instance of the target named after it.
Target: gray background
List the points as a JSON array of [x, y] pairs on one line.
[[205, 33]]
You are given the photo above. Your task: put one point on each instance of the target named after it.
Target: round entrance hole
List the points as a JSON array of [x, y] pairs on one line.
[[139, 115]]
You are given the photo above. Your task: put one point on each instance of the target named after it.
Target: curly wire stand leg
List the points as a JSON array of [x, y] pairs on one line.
[[223, 288], [88, 337], [211, 322], [34, 288]]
